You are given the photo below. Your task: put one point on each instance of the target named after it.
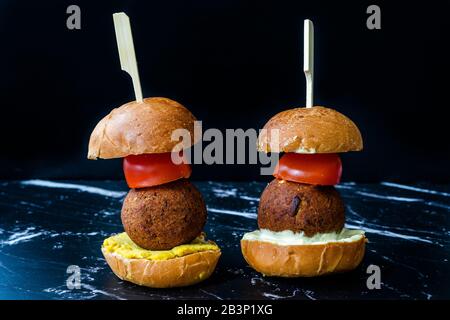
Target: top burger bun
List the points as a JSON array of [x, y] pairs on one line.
[[140, 127], [310, 130]]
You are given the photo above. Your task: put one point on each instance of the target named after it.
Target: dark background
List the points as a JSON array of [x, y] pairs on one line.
[[234, 64]]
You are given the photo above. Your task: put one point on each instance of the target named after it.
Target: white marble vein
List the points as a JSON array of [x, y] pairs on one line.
[[94, 290], [248, 215], [224, 193], [211, 294], [80, 187], [406, 187], [21, 236], [402, 199], [378, 196], [388, 233], [249, 198]]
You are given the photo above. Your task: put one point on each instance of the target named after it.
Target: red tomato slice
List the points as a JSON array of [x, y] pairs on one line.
[[146, 170], [319, 169]]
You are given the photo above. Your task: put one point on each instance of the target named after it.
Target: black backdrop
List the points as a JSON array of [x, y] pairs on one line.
[[233, 64]]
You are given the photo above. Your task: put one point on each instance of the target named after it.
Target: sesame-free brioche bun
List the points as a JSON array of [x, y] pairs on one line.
[[140, 127], [176, 272], [303, 260], [311, 130]]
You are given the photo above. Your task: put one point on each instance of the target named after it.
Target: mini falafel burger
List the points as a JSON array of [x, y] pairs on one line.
[[301, 215], [163, 214]]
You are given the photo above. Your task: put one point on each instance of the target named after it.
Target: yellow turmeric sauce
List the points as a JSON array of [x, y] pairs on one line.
[[122, 245]]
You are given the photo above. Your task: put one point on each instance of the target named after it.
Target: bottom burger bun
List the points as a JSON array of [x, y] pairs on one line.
[[180, 266], [176, 272], [288, 254]]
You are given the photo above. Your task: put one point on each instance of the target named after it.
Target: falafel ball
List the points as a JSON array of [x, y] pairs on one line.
[[164, 216], [286, 205]]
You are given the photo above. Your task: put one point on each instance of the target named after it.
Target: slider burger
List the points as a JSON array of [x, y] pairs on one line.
[[301, 215], [163, 214]]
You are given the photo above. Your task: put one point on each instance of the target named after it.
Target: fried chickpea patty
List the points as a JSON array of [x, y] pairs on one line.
[[286, 205], [164, 216]]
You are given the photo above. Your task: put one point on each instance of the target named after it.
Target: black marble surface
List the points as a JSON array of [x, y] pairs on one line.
[[45, 226]]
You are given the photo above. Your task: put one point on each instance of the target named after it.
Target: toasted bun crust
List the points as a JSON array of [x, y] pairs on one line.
[[308, 260], [177, 272], [311, 130], [140, 127]]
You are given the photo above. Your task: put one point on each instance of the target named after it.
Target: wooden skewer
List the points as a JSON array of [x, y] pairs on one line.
[[127, 55], [308, 60]]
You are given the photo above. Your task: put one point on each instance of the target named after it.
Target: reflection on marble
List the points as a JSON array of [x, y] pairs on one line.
[[45, 226]]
